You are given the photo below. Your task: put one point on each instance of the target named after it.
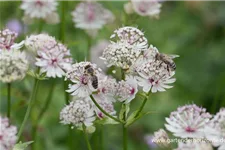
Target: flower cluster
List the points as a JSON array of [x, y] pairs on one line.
[[78, 112], [91, 16], [13, 65], [52, 57], [7, 40], [161, 138], [7, 134], [40, 9], [150, 8], [188, 121], [129, 50]]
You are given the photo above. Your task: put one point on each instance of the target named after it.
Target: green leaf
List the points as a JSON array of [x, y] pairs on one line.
[[131, 119], [125, 108], [37, 76], [106, 120], [22, 146]]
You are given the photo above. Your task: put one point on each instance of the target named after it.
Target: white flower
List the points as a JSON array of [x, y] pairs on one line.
[[127, 90], [7, 134], [191, 145], [40, 9], [13, 65], [132, 36], [188, 121], [155, 76], [96, 52], [52, 57], [78, 112], [151, 53], [91, 16], [81, 82], [107, 88], [149, 8], [161, 138], [215, 131], [120, 54], [7, 40]]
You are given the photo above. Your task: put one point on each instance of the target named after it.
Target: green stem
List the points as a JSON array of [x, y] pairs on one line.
[[31, 101], [40, 26], [124, 138], [143, 104], [9, 99], [41, 114], [103, 111], [67, 97], [88, 48], [86, 138]]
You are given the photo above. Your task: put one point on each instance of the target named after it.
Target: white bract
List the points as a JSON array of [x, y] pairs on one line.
[[161, 138], [40, 9], [52, 57], [7, 134], [190, 145], [188, 121], [78, 112], [215, 131], [13, 65]]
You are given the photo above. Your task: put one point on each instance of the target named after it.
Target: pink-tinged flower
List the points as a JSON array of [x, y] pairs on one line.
[[150, 8], [155, 76], [127, 90], [132, 36], [96, 52], [40, 9], [191, 145], [7, 134], [161, 138], [81, 81], [215, 131], [78, 112], [7, 40], [188, 121], [52, 57], [91, 16]]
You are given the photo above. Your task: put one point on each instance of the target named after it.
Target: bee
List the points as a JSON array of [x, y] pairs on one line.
[[168, 60], [91, 72]]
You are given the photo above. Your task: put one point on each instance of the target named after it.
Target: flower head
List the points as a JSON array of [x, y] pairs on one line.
[[13, 65], [127, 89], [52, 57], [150, 8], [188, 121], [81, 81], [191, 145], [155, 76], [40, 9], [91, 16], [7, 40], [215, 131], [161, 138], [7, 134], [78, 112]]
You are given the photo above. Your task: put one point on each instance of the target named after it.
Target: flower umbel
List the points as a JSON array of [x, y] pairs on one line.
[[161, 138], [78, 112], [13, 65], [188, 121], [7, 134]]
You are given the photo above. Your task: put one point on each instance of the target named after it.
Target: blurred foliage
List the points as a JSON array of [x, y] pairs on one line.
[[193, 30]]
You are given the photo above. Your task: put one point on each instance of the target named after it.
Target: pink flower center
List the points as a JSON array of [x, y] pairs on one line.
[[84, 80], [54, 60], [1, 137], [132, 91], [90, 13], [100, 115], [39, 3], [151, 80], [189, 129], [103, 90]]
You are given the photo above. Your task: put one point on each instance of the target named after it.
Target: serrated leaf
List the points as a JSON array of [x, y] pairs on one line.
[[106, 120], [37, 76], [22, 146], [131, 119], [125, 108]]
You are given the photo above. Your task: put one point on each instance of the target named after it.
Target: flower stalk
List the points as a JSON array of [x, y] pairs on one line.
[[9, 99], [86, 137], [31, 101]]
